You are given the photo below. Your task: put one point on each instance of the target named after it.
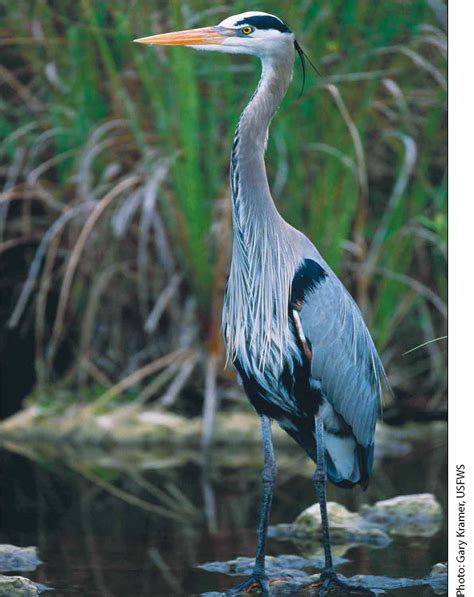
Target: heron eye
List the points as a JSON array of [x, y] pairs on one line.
[[247, 30]]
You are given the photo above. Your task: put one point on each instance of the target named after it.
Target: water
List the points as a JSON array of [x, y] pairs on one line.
[[129, 523]]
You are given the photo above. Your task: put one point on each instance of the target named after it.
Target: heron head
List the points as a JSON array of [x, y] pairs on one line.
[[257, 33]]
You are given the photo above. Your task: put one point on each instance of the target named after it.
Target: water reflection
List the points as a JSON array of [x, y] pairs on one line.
[[127, 522]]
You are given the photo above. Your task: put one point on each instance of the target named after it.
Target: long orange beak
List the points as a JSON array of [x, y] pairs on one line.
[[190, 37]]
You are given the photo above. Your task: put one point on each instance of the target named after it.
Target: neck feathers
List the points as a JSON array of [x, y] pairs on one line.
[[250, 191], [264, 259]]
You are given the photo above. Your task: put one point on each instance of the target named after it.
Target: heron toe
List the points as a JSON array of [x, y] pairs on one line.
[[253, 582], [333, 584]]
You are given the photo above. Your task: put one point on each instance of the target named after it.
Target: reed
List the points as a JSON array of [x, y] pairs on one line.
[[114, 166]]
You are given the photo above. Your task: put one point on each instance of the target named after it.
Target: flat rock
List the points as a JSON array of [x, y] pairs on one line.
[[438, 582], [359, 585], [14, 558], [17, 586], [274, 565]]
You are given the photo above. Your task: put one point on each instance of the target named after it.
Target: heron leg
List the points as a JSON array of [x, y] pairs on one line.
[[328, 576], [269, 473], [320, 481]]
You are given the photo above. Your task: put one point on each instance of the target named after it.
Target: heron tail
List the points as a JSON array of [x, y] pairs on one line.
[[347, 462]]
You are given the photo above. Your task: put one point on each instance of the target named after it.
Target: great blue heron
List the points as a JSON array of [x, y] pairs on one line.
[[294, 333]]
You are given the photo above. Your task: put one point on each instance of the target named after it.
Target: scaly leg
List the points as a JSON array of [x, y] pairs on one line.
[[328, 576], [320, 481], [259, 577]]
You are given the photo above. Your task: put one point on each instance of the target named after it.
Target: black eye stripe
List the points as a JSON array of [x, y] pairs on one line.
[[264, 22]]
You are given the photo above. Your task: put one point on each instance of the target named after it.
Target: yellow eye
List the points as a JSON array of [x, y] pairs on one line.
[[247, 30]]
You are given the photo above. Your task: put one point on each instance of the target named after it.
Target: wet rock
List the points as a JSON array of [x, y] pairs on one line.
[[439, 578], [346, 528], [441, 568], [14, 558], [407, 515], [359, 584], [309, 521], [291, 565], [17, 586], [420, 505], [438, 582]]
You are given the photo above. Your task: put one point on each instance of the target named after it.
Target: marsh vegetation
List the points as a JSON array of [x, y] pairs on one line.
[[114, 208]]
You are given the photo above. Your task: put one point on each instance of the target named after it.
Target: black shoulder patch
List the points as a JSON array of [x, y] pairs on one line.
[[307, 278], [265, 22]]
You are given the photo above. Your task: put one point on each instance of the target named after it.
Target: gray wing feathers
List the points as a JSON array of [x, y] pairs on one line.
[[344, 358]]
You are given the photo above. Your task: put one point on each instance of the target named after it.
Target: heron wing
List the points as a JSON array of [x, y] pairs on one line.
[[343, 356]]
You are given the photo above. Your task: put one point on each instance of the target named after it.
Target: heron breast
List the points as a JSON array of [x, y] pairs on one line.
[[281, 387]]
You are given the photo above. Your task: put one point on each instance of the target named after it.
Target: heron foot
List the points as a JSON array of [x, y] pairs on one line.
[[259, 582], [332, 584], [256, 581]]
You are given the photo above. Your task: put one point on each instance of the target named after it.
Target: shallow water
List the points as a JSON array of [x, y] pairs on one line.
[[128, 523]]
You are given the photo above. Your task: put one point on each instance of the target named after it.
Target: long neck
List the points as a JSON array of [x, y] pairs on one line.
[[264, 258], [251, 196]]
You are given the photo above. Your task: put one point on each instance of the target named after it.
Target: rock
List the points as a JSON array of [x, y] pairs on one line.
[[18, 558], [360, 584], [438, 582], [421, 505], [439, 578], [441, 568], [17, 586], [345, 526], [275, 565], [407, 515], [339, 519]]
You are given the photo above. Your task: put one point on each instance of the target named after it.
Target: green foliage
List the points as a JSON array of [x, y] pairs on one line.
[[358, 162]]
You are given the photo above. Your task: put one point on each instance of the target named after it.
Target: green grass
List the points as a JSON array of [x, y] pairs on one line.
[[358, 163]]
